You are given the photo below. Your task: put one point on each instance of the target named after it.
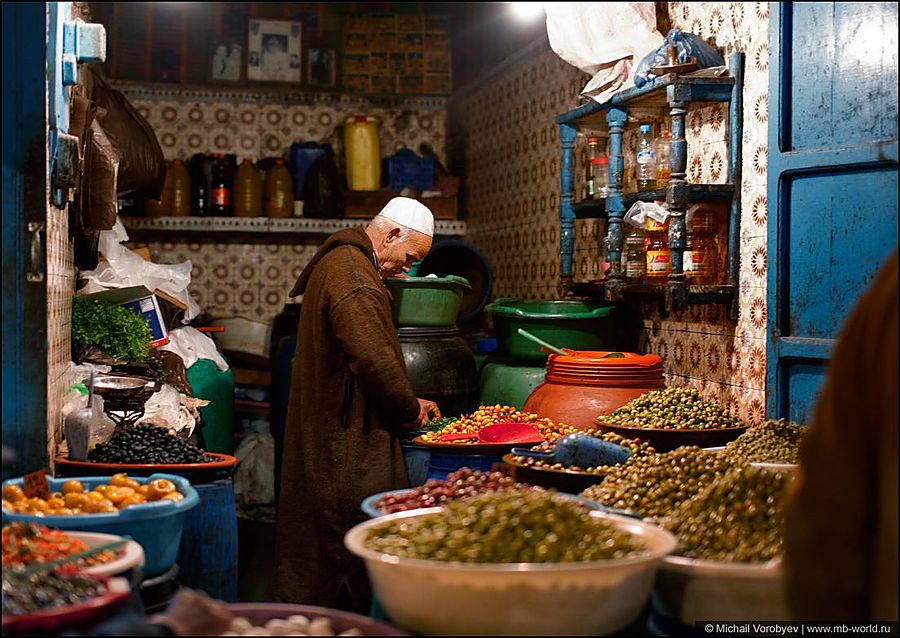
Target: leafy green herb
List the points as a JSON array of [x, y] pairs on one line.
[[614, 355], [439, 424], [119, 332]]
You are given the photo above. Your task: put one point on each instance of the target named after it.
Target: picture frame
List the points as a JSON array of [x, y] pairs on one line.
[[226, 61], [274, 50], [322, 67]]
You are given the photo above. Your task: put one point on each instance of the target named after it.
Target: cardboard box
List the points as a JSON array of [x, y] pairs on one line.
[[144, 303]]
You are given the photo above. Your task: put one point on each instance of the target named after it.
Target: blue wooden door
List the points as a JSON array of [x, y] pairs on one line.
[[832, 182]]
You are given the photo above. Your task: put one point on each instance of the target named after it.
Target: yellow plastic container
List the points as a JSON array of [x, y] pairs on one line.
[[279, 191], [181, 189], [247, 190], [362, 153]]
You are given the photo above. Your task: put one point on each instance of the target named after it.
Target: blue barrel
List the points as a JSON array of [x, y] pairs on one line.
[[418, 460], [443, 463], [208, 554]]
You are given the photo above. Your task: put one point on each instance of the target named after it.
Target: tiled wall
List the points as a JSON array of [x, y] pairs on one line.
[[252, 280], [60, 288], [511, 155]]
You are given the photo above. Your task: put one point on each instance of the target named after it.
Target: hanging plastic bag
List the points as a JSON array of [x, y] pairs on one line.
[[687, 46], [100, 427], [124, 268], [603, 39], [166, 409], [254, 479]]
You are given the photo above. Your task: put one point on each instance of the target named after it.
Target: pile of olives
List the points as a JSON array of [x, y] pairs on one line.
[[515, 526], [672, 408], [772, 442], [25, 593], [637, 448], [146, 444], [738, 518], [487, 415], [653, 485], [462, 483]]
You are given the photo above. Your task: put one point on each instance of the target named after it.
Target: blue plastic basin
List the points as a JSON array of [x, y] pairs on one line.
[[157, 526]]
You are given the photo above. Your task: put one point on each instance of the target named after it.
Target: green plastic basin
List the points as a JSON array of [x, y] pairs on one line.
[[426, 301], [578, 325]]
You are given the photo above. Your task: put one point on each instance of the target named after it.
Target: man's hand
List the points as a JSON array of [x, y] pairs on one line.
[[193, 614], [428, 411]]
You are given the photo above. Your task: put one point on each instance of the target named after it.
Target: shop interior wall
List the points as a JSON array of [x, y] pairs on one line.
[[159, 57], [505, 139]]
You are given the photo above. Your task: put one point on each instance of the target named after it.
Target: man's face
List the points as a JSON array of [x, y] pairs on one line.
[[396, 255], [274, 46]]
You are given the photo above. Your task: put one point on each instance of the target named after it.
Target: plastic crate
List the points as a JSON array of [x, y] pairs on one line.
[[405, 168]]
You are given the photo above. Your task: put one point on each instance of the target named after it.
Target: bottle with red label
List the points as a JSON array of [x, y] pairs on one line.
[[659, 257], [220, 191]]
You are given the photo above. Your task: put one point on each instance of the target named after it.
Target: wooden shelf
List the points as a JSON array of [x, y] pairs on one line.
[[721, 294], [252, 407], [596, 208], [656, 94], [249, 230]]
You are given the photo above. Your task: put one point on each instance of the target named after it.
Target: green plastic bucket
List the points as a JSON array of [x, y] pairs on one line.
[[578, 325], [426, 301]]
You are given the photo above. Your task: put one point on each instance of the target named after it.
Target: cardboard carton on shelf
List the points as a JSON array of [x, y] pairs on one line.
[[367, 204]]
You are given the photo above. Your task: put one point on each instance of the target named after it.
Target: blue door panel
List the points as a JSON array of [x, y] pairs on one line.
[[843, 82], [832, 180], [826, 212]]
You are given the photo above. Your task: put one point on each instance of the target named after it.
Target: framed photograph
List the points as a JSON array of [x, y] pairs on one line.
[[322, 67], [273, 50], [227, 62]]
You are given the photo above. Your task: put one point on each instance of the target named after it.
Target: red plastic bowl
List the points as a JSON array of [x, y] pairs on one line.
[[72, 617], [261, 613], [222, 467]]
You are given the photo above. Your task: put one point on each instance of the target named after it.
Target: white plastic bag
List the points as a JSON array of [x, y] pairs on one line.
[[101, 427], [166, 409], [639, 212], [254, 479], [604, 39], [190, 344], [124, 268]]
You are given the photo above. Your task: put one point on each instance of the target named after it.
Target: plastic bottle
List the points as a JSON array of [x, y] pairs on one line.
[[162, 206], [663, 148], [279, 191], [659, 257], [220, 201], [646, 160], [362, 153], [702, 257], [247, 190], [181, 189]]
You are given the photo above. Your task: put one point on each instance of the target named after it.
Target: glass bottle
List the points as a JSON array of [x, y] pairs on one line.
[[199, 186], [601, 177], [634, 258], [591, 167], [220, 204], [645, 172], [659, 257], [663, 148]]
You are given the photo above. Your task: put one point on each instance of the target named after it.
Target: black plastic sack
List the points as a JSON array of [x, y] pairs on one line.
[[323, 194], [142, 166], [687, 45]]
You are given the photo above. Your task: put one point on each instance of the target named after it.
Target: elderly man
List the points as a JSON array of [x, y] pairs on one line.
[[350, 402]]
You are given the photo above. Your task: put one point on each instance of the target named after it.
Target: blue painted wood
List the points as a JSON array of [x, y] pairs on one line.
[[24, 304], [615, 206], [735, 174], [832, 182], [567, 135]]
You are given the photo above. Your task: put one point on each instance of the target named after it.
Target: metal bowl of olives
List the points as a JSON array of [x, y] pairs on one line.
[[442, 597], [692, 590]]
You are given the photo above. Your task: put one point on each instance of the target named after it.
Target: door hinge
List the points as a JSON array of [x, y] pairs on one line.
[[35, 271]]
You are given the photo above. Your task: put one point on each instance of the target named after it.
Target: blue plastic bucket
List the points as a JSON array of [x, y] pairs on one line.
[[444, 463], [418, 460], [208, 555], [157, 525]]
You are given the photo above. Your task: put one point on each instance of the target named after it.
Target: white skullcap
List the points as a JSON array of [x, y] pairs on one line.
[[410, 213]]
